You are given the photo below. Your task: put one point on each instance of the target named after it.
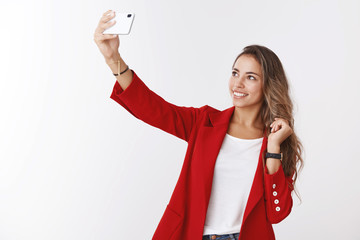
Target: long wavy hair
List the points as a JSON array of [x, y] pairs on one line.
[[277, 104]]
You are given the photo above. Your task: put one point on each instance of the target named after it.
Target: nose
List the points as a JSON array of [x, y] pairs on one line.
[[239, 82]]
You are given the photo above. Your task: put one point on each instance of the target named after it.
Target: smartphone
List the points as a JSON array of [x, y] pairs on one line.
[[123, 23]]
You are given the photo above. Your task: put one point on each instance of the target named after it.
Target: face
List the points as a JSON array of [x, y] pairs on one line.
[[246, 78]]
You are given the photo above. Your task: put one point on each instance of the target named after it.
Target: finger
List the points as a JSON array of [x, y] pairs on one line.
[[279, 120], [283, 120], [277, 126], [109, 36], [107, 12], [272, 124], [108, 24], [273, 127], [103, 37], [107, 17], [103, 26]]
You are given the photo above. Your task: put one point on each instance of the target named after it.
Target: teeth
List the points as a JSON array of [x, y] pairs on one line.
[[240, 94]]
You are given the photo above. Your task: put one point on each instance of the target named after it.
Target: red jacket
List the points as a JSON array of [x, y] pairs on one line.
[[204, 129]]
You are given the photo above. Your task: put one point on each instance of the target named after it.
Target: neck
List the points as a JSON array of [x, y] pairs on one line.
[[248, 117]]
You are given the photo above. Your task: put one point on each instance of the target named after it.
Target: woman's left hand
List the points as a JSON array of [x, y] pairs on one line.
[[279, 132]]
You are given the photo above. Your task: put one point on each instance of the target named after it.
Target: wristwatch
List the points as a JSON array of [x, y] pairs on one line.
[[274, 155]]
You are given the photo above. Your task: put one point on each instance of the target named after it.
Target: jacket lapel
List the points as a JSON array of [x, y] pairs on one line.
[[214, 133]]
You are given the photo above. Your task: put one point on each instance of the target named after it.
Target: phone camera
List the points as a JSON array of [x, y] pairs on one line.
[[129, 15]]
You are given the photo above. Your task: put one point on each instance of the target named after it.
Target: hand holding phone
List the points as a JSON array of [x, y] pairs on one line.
[[123, 23], [108, 44]]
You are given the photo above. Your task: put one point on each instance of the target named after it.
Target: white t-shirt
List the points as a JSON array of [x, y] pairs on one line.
[[234, 173]]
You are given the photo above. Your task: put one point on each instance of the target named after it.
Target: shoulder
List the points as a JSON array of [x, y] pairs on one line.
[[210, 109], [206, 109], [208, 112]]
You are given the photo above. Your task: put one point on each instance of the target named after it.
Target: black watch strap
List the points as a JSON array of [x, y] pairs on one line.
[[274, 155]]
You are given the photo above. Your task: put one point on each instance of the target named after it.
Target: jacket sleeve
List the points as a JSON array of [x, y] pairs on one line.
[[278, 199], [146, 105]]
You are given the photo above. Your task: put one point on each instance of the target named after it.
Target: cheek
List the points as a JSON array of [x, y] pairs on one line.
[[257, 90]]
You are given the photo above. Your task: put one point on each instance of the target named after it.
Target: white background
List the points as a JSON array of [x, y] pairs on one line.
[[76, 165]]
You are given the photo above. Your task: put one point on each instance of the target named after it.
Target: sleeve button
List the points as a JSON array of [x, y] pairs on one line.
[[276, 201], [274, 193], [277, 208]]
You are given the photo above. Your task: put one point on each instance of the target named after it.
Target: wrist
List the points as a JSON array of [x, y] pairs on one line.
[[273, 148], [113, 58]]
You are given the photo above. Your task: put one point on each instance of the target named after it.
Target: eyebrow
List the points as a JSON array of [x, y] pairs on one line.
[[246, 72]]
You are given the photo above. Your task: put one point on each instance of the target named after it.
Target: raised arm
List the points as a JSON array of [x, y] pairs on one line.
[[131, 93], [149, 107]]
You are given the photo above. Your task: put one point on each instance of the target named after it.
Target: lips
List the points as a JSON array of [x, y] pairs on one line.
[[240, 94]]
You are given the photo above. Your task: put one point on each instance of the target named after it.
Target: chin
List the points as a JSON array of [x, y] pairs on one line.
[[240, 105]]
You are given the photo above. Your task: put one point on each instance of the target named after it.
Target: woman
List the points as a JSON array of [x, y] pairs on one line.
[[237, 176]]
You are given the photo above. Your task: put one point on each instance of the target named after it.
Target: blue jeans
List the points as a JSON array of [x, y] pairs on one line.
[[232, 236]]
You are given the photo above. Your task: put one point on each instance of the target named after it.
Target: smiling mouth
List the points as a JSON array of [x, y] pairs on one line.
[[240, 95]]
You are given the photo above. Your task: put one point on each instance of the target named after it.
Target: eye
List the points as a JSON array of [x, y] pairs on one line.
[[233, 72], [252, 77]]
